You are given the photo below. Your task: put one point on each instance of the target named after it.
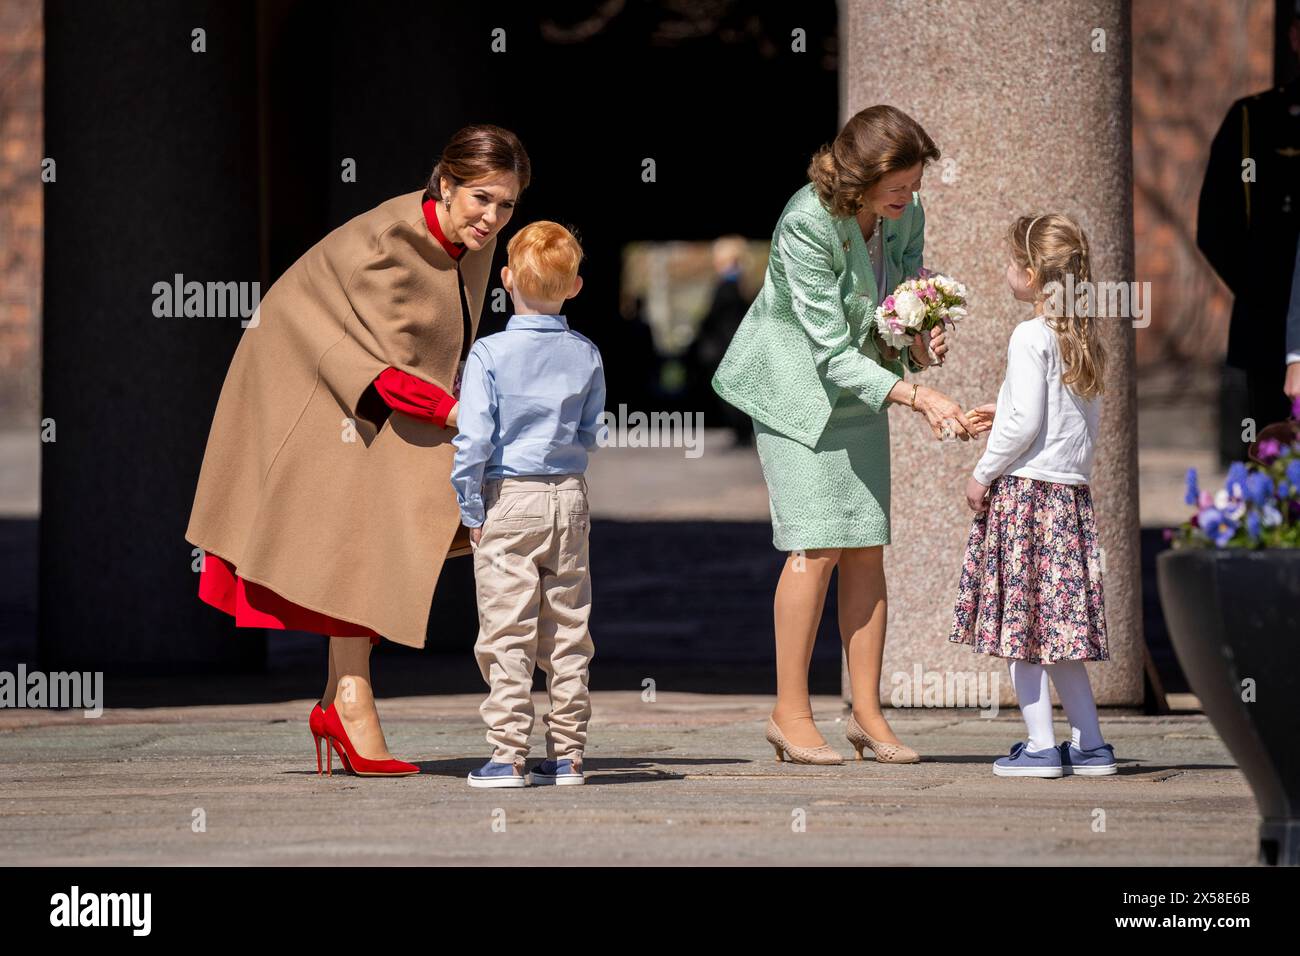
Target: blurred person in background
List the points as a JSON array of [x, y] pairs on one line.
[[720, 323]]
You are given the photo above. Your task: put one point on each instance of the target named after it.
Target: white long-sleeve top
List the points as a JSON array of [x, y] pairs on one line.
[[1041, 428]]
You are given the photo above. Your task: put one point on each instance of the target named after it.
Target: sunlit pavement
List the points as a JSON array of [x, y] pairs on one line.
[[683, 779]]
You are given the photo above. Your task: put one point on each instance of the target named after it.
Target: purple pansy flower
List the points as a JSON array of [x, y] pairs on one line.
[[1217, 526], [1193, 495]]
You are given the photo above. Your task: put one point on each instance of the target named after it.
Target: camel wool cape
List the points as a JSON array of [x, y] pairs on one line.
[[311, 485]]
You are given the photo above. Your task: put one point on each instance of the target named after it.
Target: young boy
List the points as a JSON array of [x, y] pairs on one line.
[[530, 403]]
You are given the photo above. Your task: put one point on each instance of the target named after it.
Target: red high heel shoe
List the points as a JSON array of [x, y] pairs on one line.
[[337, 738], [316, 722]]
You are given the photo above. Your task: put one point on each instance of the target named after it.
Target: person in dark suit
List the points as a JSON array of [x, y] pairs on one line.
[[1292, 386], [1247, 226], [726, 311]]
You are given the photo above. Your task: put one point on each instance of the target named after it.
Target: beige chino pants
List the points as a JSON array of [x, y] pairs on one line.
[[534, 601]]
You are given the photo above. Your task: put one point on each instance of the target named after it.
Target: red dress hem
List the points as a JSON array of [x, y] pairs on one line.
[[255, 605]]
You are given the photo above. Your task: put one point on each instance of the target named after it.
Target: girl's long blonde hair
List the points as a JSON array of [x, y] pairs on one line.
[[1054, 248]]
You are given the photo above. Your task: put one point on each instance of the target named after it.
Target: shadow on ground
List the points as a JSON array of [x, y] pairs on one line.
[[685, 604]]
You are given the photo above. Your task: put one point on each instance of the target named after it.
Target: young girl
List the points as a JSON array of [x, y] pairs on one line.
[[1031, 584]]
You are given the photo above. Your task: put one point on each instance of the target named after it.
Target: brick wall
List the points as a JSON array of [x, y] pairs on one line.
[[1191, 60], [21, 137]]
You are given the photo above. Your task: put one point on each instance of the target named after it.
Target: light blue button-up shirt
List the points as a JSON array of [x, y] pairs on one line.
[[530, 404]]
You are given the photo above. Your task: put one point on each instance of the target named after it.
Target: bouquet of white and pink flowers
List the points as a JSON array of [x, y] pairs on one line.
[[919, 305]]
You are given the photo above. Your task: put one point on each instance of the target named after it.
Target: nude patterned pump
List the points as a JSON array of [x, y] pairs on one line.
[[885, 753], [814, 755]]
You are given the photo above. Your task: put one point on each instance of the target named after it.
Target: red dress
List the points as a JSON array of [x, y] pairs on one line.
[[254, 605]]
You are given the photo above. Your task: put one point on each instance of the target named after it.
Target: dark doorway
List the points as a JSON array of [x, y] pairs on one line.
[[227, 165]]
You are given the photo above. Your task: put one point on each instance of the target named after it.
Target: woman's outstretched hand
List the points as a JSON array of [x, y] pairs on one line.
[[937, 408]]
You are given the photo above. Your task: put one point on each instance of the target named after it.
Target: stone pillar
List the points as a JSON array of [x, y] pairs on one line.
[[1029, 105], [156, 154]]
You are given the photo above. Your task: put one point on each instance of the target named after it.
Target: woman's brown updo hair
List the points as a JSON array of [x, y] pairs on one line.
[[478, 151], [874, 142]]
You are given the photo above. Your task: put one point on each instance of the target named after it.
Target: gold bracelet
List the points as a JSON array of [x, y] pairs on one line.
[[915, 386]]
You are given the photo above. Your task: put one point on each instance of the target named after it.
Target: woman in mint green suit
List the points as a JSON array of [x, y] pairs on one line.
[[806, 366]]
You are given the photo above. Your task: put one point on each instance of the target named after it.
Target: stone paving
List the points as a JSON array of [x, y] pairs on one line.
[[685, 779]]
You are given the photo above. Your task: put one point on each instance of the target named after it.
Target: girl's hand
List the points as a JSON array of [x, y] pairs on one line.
[[975, 495], [475, 535], [981, 417]]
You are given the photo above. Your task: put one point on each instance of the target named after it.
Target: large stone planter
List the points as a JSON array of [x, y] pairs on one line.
[[1234, 620]]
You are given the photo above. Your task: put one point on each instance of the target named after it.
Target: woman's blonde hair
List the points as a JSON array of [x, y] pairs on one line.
[[1054, 248], [873, 143]]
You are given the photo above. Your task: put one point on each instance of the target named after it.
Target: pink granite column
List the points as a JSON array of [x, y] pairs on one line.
[[1029, 104]]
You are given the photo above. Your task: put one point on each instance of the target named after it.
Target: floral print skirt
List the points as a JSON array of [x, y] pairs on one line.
[[1031, 583]]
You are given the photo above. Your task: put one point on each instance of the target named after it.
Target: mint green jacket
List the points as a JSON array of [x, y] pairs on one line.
[[807, 337]]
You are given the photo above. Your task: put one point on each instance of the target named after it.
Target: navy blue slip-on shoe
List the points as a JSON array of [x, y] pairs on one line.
[[1098, 762], [558, 773], [493, 774], [1023, 762]]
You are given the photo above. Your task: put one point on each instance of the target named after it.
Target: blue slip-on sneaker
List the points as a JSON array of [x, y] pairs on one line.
[[1098, 762], [1023, 762], [493, 774], [558, 773]]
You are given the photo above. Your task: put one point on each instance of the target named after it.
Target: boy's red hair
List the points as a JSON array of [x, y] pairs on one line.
[[544, 257]]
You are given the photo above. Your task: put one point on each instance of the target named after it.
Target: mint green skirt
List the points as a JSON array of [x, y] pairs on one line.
[[833, 496]]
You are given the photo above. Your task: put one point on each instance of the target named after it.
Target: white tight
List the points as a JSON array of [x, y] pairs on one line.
[[1071, 680]]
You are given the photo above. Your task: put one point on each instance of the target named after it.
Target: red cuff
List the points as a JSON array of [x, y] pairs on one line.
[[413, 396], [443, 408]]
